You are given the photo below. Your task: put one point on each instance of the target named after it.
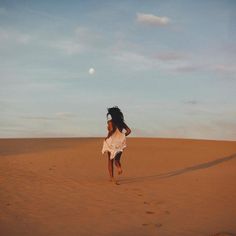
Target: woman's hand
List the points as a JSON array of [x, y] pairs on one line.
[[128, 131]]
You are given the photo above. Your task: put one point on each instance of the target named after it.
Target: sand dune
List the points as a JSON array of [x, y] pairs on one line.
[[169, 187]]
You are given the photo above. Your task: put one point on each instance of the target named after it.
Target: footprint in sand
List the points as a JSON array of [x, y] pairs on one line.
[[145, 224], [158, 225], [155, 203], [52, 168], [150, 212]]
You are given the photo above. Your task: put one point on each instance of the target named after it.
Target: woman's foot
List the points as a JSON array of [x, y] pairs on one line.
[[120, 171], [114, 181]]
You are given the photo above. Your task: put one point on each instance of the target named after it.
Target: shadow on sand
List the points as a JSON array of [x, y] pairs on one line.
[[180, 171]]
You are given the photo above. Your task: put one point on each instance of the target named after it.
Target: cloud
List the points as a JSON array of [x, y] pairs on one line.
[[167, 62], [150, 19], [191, 102], [70, 47], [225, 68], [38, 118], [45, 15], [136, 57], [68, 44], [56, 116], [65, 115], [90, 38], [172, 62], [170, 56], [14, 36], [133, 60], [218, 69], [23, 38], [82, 32], [188, 68], [82, 39]]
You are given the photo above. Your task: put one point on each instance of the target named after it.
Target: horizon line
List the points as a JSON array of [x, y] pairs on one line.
[[102, 137]]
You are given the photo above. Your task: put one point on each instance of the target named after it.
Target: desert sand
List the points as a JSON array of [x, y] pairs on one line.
[[169, 187]]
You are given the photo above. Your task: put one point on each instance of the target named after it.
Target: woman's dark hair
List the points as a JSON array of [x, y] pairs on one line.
[[117, 117]]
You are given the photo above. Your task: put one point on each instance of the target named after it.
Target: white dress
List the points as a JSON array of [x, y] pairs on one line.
[[115, 143]]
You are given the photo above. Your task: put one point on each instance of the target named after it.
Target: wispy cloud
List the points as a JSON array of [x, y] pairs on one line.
[[164, 61], [56, 116], [225, 68], [9, 36], [38, 118], [70, 47], [172, 63], [81, 40], [191, 102], [45, 14], [83, 33], [150, 19], [23, 38], [133, 60], [188, 68], [65, 115], [170, 56]]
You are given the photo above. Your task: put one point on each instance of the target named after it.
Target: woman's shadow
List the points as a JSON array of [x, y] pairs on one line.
[[180, 171]]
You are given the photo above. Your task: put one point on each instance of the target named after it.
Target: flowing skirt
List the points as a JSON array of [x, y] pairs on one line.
[[114, 144]]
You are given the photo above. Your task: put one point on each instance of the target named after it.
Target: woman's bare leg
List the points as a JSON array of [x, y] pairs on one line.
[[111, 169], [117, 162], [110, 166]]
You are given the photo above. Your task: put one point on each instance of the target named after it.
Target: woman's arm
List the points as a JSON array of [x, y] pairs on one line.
[[110, 129], [128, 130]]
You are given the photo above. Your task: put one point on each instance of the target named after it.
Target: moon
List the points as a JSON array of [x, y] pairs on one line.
[[91, 71]]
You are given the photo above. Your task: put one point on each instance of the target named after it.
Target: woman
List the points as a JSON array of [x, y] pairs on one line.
[[115, 141]]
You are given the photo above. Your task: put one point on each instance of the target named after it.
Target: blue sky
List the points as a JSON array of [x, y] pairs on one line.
[[169, 65]]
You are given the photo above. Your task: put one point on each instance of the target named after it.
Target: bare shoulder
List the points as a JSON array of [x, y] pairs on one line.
[[109, 125]]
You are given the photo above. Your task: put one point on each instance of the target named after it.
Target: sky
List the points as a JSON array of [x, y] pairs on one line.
[[169, 65]]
